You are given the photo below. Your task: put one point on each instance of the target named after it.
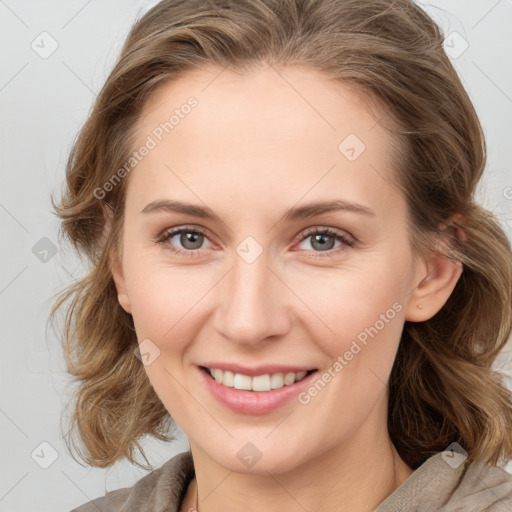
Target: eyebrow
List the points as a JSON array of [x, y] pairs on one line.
[[311, 210], [296, 213]]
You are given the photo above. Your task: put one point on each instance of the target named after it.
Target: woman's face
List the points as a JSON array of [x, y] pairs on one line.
[[248, 282]]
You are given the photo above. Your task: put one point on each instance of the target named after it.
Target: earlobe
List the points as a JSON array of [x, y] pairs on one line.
[[116, 267], [118, 276], [124, 302]]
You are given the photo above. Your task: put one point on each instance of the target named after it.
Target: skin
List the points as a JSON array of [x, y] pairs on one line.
[[252, 148]]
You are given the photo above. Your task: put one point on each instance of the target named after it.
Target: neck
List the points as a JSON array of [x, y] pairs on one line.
[[356, 475]]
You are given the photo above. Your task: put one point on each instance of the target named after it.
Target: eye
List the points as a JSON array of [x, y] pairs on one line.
[[186, 241], [324, 240], [190, 240]]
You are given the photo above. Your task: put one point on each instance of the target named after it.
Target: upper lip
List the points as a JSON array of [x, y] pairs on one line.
[[258, 370]]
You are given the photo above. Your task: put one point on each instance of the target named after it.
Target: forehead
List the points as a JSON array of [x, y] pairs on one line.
[[286, 102], [280, 133]]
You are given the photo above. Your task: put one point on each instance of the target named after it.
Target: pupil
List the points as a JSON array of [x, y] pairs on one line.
[[321, 240], [187, 238]]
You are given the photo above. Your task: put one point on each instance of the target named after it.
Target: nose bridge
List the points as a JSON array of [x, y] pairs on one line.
[[253, 302]]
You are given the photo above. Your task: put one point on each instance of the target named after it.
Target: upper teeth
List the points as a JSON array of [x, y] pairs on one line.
[[258, 383]]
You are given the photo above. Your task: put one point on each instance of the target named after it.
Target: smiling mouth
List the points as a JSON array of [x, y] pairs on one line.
[[258, 383]]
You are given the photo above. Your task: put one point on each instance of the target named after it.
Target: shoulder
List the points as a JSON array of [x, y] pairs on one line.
[[442, 484], [159, 489], [482, 488]]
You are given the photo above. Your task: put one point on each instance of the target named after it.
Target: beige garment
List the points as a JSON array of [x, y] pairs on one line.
[[428, 489]]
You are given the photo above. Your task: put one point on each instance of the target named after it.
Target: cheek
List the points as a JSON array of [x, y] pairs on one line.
[[358, 320], [166, 300], [345, 302], [361, 302]]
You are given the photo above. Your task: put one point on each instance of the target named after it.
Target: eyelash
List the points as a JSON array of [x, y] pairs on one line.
[[167, 235], [326, 231]]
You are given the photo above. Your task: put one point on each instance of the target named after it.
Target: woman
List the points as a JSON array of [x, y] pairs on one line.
[[277, 200]]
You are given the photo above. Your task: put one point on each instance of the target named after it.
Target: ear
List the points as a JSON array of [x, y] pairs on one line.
[[116, 267], [437, 276], [118, 276]]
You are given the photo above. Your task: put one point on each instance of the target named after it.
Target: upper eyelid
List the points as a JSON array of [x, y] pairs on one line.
[[172, 232], [304, 234]]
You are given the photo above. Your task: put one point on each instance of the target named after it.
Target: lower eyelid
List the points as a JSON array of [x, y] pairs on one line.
[[335, 251], [168, 235]]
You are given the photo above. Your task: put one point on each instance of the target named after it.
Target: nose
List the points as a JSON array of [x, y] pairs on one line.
[[253, 303]]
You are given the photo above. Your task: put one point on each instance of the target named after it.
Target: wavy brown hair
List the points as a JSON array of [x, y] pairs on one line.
[[442, 387]]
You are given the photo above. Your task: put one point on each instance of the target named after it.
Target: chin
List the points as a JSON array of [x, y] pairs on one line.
[[275, 463]]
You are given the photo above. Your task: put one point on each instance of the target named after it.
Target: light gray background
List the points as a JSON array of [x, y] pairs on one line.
[[43, 103]]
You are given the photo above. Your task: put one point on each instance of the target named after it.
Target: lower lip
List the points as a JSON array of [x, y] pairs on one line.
[[254, 402]]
